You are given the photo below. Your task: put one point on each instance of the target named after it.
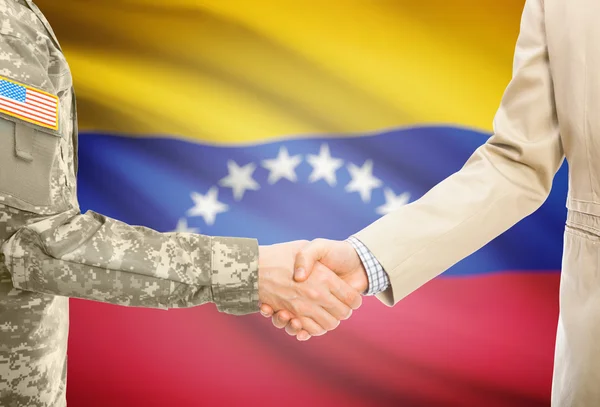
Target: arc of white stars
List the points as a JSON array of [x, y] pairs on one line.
[[324, 166], [283, 166], [207, 206], [393, 202], [240, 179], [363, 180]]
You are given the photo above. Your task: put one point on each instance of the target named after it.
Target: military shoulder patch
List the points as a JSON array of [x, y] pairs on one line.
[[29, 104]]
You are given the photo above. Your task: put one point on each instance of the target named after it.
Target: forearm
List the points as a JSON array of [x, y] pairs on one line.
[[505, 180], [94, 257], [457, 217]]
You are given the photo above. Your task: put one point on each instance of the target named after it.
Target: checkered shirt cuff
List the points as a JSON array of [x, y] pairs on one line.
[[378, 279]]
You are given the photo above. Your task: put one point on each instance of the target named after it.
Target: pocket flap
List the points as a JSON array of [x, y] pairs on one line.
[[24, 137]]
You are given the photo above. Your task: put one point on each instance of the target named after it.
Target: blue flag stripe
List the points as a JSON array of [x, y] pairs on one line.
[[149, 181]]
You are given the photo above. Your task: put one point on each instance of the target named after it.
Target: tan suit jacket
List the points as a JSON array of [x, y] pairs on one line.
[[550, 110]]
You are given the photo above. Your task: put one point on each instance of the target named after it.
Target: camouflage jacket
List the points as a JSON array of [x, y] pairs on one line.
[[51, 251]]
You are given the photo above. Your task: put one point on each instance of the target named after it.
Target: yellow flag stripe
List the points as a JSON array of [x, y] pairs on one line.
[[235, 72]]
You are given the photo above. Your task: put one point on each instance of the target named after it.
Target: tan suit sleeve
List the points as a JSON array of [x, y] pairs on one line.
[[505, 180]]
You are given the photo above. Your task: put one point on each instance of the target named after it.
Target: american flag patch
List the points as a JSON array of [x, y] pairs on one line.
[[29, 104]]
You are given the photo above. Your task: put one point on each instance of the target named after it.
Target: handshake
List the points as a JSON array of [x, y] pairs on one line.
[[309, 287]]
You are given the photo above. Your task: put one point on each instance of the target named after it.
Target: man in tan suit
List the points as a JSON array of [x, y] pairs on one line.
[[550, 110]]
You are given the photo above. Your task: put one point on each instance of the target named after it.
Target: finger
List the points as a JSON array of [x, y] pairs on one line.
[[303, 336], [323, 318], [266, 310], [312, 327], [294, 327], [337, 309], [345, 293], [281, 319], [306, 258]]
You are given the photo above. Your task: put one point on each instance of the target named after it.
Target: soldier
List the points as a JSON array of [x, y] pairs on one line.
[[50, 251]]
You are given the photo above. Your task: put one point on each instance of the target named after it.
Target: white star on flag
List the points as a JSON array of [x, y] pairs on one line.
[[207, 205], [324, 166], [283, 166], [363, 180], [392, 201], [240, 179], [182, 227]]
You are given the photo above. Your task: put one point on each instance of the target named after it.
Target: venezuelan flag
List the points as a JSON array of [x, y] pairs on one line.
[[292, 120]]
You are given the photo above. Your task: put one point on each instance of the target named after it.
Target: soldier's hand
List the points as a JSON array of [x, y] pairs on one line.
[[318, 304]]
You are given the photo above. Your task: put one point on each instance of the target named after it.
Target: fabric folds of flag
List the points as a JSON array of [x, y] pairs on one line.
[[295, 121]]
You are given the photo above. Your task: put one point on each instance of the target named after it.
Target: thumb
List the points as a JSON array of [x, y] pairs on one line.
[[307, 257]]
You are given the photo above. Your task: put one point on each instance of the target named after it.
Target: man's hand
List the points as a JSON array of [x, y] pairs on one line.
[[318, 304], [338, 256]]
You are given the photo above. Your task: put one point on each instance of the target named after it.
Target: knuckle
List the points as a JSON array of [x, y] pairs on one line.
[[294, 303], [300, 308], [328, 302], [325, 279], [313, 294], [350, 298]]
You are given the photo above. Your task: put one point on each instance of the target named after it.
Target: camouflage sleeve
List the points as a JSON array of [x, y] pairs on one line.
[[93, 257]]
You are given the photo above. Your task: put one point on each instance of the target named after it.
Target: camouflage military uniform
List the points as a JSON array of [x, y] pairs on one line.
[[50, 251]]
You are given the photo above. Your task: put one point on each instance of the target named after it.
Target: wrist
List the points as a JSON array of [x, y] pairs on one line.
[[359, 279], [362, 279]]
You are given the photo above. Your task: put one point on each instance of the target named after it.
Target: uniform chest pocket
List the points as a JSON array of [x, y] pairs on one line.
[[28, 156]]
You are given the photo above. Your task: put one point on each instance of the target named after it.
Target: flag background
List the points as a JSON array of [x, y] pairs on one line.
[[171, 91]]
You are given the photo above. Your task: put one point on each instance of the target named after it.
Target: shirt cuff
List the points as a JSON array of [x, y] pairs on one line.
[[378, 279], [235, 275]]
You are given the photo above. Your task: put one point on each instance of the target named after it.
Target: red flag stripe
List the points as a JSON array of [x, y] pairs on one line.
[[11, 108], [51, 113], [42, 101]]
